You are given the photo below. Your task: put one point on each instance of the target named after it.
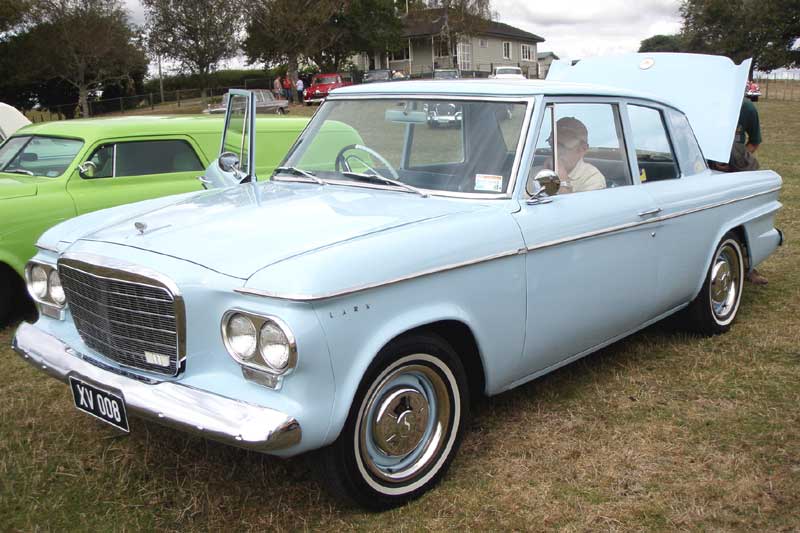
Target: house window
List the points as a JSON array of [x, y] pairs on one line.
[[465, 56], [400, 55], [506, 50], [527, 52], [440, 48], [483, 43]]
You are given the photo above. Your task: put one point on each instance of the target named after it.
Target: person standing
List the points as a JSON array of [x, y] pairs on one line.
[[287, 88], [300, 86], [277, 87]]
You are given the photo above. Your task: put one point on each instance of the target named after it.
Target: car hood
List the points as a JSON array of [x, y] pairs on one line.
[[712, 106], [239, 230], [16, 186]]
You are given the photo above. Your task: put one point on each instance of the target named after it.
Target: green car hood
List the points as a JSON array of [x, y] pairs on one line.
[[16, 187]]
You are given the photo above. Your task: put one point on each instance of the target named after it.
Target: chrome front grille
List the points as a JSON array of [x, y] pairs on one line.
[[126, 316]]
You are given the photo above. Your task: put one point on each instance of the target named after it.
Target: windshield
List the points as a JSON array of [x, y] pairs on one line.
[[445, 146], [445, 75], [34, 155], [509, 70], [326, 79]]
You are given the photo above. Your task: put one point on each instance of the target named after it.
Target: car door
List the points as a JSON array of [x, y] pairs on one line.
[[128, 171], [590, 263], [673, 172]]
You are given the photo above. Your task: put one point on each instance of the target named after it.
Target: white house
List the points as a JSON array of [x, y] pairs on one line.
[[493, 44]]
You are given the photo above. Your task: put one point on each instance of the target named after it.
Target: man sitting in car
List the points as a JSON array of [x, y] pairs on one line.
[[576, 175]]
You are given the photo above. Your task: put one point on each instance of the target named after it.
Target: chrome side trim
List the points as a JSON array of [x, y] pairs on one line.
[[621, 227], [556, 242], [360, 288], [186, 408]]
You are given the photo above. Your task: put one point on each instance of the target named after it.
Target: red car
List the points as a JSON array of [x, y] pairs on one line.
[[322, 84]]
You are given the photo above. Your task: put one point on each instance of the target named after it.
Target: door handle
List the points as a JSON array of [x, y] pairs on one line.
[[649, 212]]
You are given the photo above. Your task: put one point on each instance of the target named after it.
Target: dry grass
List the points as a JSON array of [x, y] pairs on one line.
[[660, 432]]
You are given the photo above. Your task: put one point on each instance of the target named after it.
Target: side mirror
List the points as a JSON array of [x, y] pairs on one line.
[[229, 162], [549, 183], [87, 169]]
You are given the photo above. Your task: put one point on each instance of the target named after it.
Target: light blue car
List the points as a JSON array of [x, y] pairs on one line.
[[390, 270]]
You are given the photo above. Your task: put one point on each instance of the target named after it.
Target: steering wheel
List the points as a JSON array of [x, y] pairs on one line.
[[342, 160]]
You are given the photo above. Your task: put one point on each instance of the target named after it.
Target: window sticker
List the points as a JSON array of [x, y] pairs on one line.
[[488, 182]]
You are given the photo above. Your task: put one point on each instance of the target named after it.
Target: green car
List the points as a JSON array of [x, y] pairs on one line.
[[129, 159]]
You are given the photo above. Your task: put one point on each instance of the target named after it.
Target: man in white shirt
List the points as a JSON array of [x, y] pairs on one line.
[[300, 86], [575, 174]]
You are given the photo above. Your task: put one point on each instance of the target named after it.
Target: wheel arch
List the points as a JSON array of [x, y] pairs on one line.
[[455, 331]]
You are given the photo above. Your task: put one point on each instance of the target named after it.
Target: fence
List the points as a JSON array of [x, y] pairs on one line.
[[779, 86], [173, 102]]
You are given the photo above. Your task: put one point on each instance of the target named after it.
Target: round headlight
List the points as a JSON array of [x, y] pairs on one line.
[[242, 339], [38, 282], [274, 345], [55, 290]]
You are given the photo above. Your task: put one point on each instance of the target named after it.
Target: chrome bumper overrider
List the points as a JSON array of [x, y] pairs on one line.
[[209, 415]]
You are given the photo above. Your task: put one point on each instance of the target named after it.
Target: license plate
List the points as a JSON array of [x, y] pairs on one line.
[[99, 403]]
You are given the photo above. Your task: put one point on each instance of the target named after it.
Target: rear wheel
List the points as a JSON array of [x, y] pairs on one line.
[[281, 111], [404, 426], [714, 309]]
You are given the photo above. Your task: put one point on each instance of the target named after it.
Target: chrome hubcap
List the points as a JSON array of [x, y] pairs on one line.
[[400, 421], [725, 282], [405, 421]]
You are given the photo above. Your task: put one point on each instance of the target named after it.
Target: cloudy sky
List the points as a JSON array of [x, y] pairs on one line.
[[574, 28], [581, 28]]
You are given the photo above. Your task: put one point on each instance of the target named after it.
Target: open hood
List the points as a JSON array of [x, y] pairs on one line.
[[709, 89]]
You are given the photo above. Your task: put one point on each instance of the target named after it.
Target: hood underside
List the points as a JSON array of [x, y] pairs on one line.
[[711, 105]]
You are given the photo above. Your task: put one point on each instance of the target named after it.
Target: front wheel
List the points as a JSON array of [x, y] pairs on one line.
[[404, 427], [714, 309], [280, 111]]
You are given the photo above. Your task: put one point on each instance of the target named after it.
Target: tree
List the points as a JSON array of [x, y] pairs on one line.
[[198, 34], [12, 13], [85, 43], [662, 43], [765, 30], [326, 32]]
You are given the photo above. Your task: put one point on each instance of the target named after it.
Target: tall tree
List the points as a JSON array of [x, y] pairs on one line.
[[198, 34], [83, 42], [766, 30], [326, 32], [662, 43]]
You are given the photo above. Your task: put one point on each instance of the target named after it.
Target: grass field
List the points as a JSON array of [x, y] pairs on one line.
[[659, 432]]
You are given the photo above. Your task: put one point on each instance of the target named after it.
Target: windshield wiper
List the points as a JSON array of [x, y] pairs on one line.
[[19, 171], [300, 172], [384, 179]]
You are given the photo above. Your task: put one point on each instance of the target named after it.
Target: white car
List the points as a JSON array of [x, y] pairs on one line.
[[10, 121], [507, 73]]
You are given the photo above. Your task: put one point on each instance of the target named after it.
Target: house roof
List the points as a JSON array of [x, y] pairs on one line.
[[430, 22], [545, 55]]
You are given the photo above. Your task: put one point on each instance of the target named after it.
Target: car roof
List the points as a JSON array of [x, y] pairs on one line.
[[488, 87], [95, 128]]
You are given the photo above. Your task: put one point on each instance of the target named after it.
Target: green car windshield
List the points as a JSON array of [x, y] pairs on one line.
[[34, 155]]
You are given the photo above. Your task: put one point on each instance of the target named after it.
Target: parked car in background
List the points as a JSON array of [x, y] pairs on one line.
[[507, 73], [377, 75], [10, 121], [322, 84], [753, 91], [446, 74], [52, 171], [389, 271], [265, 103]]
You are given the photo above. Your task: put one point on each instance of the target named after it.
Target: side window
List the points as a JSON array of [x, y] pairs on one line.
[[103, 159], [690, 157], [653, 151], [587, 150], [142, 158]]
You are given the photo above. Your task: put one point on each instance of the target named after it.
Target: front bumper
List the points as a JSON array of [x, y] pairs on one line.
[[233, 422], [314, 99]]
